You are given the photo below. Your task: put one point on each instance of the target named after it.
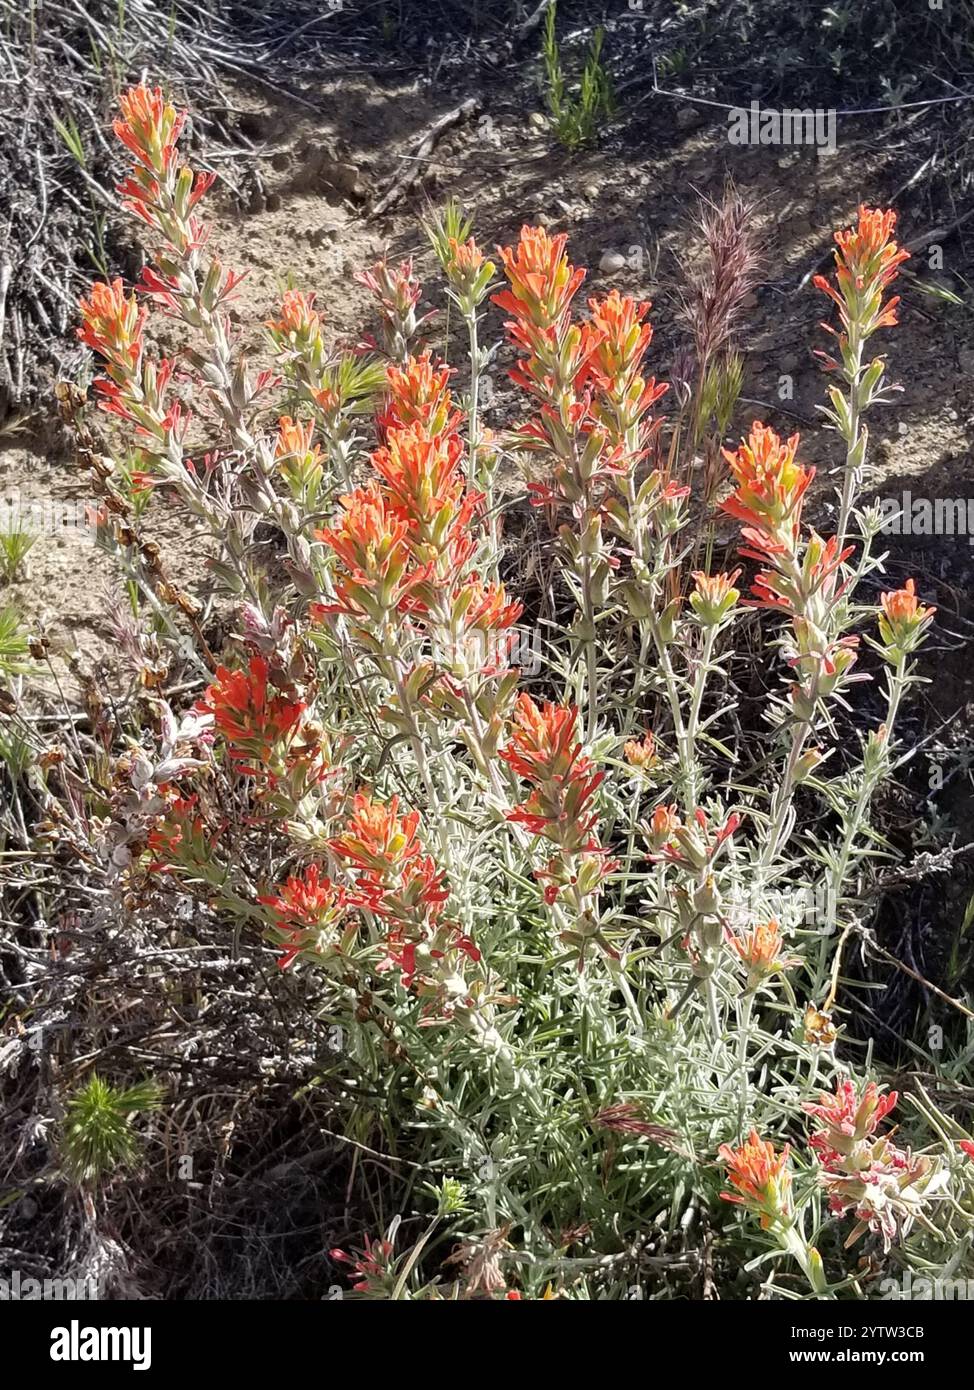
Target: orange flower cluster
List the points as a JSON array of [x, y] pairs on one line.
[[902, 622], [544, 749], [163, 195], [111, 325], [133, 388], [299, 457], [622, 396], [261, 726], [419, 395], [405, 541], [867, 262], [805, 577], [308, 914], [760, 950], [299, 327], [771, 486], [594, 419], [468, 272], [696, 845], [180, 837], [149, 128], [641, 753], [402, 886], [864, 1173], [761, 1179], [714, 596]]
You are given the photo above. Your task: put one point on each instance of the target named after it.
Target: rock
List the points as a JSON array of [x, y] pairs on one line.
[[611, 263], [688, 118], [951, 413], [345, 178], [902, 428], [538, 120], [591, 192], [318, 236]]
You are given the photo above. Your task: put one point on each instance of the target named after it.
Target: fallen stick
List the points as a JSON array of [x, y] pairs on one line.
[[411, 170]]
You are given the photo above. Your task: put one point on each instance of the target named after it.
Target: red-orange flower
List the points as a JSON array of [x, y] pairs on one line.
[[420, 396], [544, 749], [790, 592], [696, 844], [112, 323], [622, 337], [849, 1118], [395, 287], [403, 888], [770, 487], [294, 439], [308, 911], [468, 272], [376, 838], [423, 478], [149, 127], [370, 537], [372, 1267], [642, 753], [299, 325], [713, 596], [903, 620], [867, 261], [760, 949], [154, 190], [543, 281], [180, 838], [465, 256], [663, 824], [761, 1178], [481, 619], [257, 723], [616, 340]]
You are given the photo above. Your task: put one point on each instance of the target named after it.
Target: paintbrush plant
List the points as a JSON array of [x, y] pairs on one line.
[[563, 925]]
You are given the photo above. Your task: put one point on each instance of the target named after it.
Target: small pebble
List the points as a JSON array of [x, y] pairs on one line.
[[611, 263]]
